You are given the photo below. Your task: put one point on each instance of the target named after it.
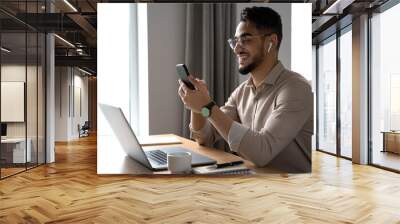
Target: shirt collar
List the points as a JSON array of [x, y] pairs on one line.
[[271, 77]]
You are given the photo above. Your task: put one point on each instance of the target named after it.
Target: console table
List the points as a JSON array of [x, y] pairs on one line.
[[391, 141]]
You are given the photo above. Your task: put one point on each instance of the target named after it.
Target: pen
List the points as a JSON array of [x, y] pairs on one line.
[[222, 165]]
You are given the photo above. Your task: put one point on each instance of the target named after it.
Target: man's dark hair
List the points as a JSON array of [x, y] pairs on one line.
[[264, 18]]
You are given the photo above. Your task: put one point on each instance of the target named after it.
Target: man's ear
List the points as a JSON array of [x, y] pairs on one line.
[[274, 39], [272, 42], [269, 47]]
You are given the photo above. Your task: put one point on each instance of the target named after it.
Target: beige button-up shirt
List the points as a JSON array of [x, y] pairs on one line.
[[273, 124]]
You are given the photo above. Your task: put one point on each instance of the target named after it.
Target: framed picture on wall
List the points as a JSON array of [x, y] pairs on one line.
[[12, 101]]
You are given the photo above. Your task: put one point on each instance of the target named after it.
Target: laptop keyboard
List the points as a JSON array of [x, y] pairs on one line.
[[157, 155]]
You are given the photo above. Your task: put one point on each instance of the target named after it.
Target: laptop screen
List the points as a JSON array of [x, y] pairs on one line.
[[124, 133], [3, 129]]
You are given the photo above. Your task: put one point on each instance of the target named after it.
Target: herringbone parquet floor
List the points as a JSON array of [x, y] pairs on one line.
[[69, 191]]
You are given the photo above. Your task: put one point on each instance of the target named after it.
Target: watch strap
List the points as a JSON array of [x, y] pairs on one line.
[[209, 107]]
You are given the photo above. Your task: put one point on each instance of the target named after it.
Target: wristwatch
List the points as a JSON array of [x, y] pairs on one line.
[[206, 110]]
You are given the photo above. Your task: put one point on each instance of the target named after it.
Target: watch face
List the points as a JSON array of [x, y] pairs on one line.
[[205, 112]]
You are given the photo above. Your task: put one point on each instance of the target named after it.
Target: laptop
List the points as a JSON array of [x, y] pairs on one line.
[[153, 159]]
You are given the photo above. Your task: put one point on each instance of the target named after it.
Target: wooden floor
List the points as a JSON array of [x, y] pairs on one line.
[[5, 172], [10, 171], [69, 191]]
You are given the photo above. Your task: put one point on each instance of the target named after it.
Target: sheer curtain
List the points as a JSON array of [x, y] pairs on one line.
[[207, 53]]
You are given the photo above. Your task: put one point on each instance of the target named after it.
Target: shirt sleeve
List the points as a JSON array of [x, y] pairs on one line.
[[208, 135], [204, 136], [235, 135], [293, 108]]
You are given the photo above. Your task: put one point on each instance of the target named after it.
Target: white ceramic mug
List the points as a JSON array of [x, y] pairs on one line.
[[179, 162]]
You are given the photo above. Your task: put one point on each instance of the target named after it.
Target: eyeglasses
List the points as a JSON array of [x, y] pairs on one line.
[[244, 40]]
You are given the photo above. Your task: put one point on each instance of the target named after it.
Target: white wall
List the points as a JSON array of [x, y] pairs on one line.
[[33, 127], [80, 83], [11, 73], [166, 38], [61, 103], [67, 81], [301, 38]]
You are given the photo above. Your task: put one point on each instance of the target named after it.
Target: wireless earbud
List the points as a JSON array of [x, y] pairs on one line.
[[269, 47]]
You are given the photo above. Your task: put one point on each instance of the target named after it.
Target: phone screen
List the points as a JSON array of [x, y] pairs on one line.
[[183, 74]]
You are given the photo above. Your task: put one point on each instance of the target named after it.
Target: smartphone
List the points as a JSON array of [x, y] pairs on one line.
[[183, 74]]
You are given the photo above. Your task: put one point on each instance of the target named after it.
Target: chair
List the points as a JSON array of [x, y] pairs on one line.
[[84, 130]]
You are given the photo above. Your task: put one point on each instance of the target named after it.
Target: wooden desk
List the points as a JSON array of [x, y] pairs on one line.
[[111, 159]]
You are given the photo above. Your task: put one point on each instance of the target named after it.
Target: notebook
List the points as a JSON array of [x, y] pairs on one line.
[[212, 169], [158, 140]]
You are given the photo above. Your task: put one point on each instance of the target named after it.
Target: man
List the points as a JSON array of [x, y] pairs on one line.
[[268, 119]]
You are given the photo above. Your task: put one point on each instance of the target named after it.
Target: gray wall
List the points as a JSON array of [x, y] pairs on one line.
[[166, 35]]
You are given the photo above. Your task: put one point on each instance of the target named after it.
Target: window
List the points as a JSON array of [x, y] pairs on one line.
[[327, 96], [334, 94], [122, 56], [346, 93], [22, 77], [385, 88]]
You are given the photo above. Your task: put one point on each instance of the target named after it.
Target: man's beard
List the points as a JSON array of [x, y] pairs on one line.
[[247, 69]]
